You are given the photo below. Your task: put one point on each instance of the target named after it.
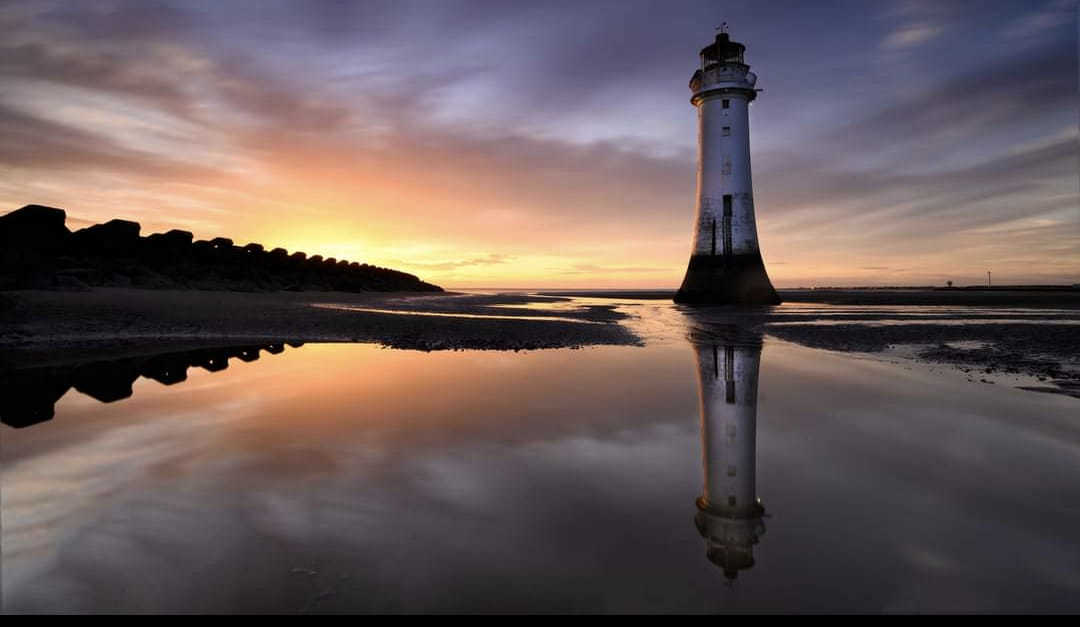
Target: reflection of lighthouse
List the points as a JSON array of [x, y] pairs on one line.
[[729, 513]]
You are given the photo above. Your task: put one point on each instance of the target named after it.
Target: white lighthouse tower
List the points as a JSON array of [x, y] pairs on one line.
[[729, 514], [725, 264]]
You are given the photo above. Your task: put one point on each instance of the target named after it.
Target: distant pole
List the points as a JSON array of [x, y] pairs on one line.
[[988, 283]]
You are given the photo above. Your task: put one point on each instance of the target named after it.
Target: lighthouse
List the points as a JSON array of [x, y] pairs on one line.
[[729, 515], [725, 264]]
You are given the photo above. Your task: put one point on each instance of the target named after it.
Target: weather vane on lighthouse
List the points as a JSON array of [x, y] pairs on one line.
[[725, 265]]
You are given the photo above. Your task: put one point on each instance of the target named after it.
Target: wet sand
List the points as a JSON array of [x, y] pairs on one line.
[[991, 336], [1028, 338], [985, 334], [1046, 352], [39, 327], [1069, 298]]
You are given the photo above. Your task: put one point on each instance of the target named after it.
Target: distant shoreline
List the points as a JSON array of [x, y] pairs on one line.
[[1004, 296]]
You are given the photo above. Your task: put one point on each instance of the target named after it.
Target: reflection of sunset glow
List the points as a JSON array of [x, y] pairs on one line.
[[381, 468]]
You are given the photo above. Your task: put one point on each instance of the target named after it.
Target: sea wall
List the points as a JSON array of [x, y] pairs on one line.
[[38, 251]]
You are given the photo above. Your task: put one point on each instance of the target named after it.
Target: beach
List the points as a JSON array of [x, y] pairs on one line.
[[255, 475], [40, 327], [1033, 335]]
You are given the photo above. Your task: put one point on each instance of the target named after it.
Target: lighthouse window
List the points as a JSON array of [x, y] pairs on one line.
[[726, 103], [726, 131], [731, 501], [731, 471]]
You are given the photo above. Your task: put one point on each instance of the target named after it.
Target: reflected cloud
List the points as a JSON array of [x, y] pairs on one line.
[[348, 478]]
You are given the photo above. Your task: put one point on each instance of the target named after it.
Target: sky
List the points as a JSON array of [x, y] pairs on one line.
[[552, 144]]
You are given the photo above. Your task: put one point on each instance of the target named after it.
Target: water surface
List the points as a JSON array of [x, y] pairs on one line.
[[338, 477]]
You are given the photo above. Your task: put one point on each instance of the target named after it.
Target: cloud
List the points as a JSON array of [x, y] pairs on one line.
[[487, 260], [30, 142], [1037, 81], [908, 36], [1053, 14], [591, 268], [943, 158], [558, 136]]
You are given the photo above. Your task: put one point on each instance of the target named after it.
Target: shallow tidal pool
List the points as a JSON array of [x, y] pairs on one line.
[[719, 475]]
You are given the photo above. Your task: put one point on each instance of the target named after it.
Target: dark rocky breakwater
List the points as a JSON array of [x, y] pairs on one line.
[[38, 251]]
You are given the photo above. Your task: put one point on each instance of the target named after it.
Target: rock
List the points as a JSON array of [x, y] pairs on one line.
[[34, 227], [115, 279], [30, 240], [178, 238], [70, 283], [37, 251], [170, 247], [115, 237]]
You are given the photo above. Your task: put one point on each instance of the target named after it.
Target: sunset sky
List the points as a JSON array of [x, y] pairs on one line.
[[548, 144]]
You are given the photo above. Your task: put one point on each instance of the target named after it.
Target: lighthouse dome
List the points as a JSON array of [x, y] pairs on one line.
[[723, 50]]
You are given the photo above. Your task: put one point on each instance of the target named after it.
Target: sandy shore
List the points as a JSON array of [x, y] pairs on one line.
[[991, 337], [879, 297], [982, 334], [38, 327]]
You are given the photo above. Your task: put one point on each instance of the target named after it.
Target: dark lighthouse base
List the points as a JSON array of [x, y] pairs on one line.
[[720, 280]]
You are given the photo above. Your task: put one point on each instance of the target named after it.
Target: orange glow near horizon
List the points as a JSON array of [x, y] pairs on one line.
[[517, 157], [484, 222]]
